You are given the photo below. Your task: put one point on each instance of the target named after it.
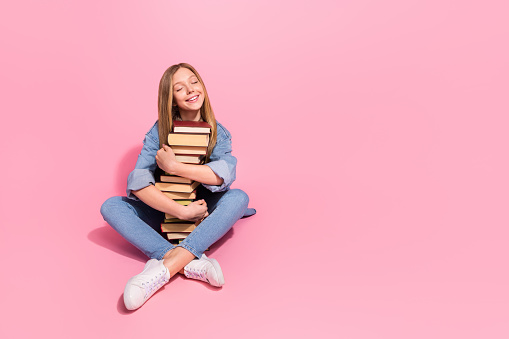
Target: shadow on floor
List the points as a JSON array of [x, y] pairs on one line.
[[108, 238]]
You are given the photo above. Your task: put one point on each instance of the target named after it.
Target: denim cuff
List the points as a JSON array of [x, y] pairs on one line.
[[220, 168], [191, 249], [161, 255], [139, 178]]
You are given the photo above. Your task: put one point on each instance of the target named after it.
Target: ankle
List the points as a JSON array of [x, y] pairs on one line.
[[167, 254], [176, 258]]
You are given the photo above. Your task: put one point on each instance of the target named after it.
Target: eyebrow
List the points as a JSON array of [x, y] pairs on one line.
[[188, 78]]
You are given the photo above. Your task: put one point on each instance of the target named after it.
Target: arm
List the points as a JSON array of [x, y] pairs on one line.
[[222, 162], [202, 173], [216, 175], [141, 180], [153, 197]]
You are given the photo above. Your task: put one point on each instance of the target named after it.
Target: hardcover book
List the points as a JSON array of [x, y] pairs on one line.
[[180, 195], [173, 187], [174, 178], [191, 127], [190, 158], [178, 227], [176, 235], [195, 150], [181, 139]]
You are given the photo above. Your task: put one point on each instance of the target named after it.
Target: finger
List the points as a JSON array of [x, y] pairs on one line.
[[206, 214], [165, 147]]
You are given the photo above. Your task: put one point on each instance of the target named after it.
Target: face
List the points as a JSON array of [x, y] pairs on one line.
[[188, 92]]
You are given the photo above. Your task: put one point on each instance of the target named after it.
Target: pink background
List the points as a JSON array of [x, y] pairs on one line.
[[371, 137]]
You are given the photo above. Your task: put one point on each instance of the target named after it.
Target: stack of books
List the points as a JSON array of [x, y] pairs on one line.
[[189, 141]]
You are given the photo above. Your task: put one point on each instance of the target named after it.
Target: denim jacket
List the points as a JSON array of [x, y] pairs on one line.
[[222, 162]]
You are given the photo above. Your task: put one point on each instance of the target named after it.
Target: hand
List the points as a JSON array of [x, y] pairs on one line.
[[195, 211], [165, 159]]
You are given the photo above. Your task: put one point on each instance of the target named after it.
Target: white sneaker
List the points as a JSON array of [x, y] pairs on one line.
[[205, 269], [142, 286]]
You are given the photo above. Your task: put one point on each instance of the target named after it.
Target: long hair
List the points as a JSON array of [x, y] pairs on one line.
[[168, 113]]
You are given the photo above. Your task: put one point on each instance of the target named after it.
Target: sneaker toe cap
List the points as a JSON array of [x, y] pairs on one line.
[[134, 296], [216, 277]]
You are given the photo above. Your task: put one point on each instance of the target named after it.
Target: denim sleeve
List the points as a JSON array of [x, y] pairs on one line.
[[222, 162], [143, 173]]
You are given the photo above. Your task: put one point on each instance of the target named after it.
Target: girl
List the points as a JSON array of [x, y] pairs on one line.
[[138, 217]]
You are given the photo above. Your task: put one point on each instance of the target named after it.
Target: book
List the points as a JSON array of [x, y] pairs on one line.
[[175, 178], [169, 216], [191, 127], [174, 187], [189, 141], [176, 235], [190, 158], [184, 202], [175, 242], [181, 139], [179, 196], [189, 150], [177, 220], [178, 227]]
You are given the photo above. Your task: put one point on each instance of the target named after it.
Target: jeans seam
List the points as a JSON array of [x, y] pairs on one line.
[[160, 257], [190, 249]]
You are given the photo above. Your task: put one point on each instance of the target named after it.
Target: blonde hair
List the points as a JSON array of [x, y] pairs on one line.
[[168, 113]]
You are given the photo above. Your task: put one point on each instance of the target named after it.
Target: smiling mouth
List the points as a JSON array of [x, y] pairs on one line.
[[193, 99]]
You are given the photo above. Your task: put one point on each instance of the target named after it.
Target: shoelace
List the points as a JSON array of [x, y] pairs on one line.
[[200, 274], [154, 284]]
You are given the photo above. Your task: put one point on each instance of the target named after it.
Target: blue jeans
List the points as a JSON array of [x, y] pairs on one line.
[[140, 224]]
